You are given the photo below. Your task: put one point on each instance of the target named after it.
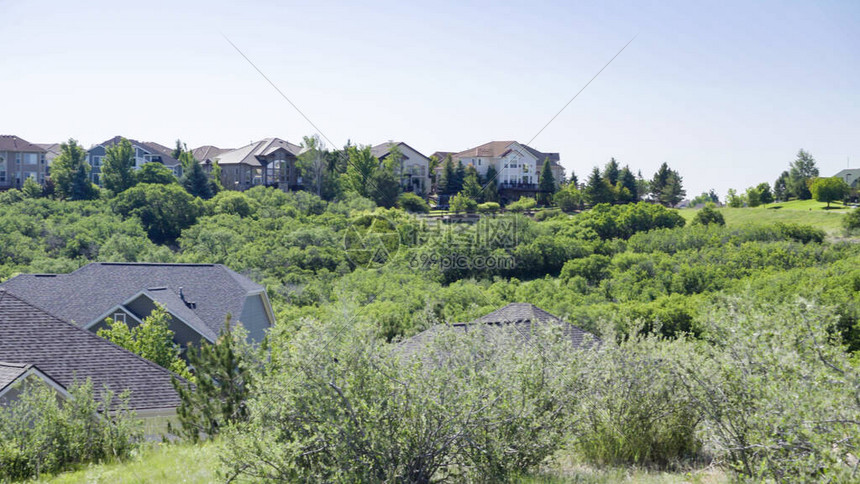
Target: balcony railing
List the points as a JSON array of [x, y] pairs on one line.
[[517, 186]]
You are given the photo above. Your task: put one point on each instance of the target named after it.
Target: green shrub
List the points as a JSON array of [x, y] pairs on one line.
[[342, 406], [462, 203], [522, 205], [412, 203], [488, 207], [635, 411], [801, 233], [41, 434], [709, 215], [851, 220]]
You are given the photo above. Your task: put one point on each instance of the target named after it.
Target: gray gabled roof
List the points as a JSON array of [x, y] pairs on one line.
[[11, 372], [10, 142], [522, 318], [65, 353], [153, 148], [89, 293], [248, 154]]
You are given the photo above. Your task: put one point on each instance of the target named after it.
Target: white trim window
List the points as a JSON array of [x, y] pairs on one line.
[[119, 317]]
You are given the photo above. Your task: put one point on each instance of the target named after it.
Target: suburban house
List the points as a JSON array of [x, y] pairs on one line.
[[52, 150], [414, 167], [198, 297], [20, 160], [38, 346], [268, 162], [851, 177], [517, 165], [144, 152], [522, 318]]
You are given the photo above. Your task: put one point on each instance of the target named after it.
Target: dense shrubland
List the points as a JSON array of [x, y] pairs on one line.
[[709, 333]]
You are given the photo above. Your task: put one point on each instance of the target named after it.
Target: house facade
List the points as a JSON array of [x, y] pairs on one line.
[[268, 162], [517, 166], [19, 160], [144, 152], [414, 167], [851, 177], [197, 297]]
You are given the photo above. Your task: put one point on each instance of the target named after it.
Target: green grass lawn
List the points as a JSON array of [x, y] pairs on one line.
[[807, 212], [185, 463], [159, 463]]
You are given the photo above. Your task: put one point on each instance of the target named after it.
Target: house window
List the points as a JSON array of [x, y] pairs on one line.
[[17, 158], [479, 162], [31, 158], [2, 170], [119, 318], [97, 161]]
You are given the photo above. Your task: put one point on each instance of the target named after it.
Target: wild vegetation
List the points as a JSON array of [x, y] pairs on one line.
[[721, 341]]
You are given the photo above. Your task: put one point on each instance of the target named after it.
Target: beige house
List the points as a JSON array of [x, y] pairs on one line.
[[268, 162], [19, 160], [414, 168]]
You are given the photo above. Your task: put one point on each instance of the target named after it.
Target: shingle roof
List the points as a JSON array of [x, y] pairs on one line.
[[166, 158], [491, 149], [9, 372], [93, 290], [523, 318], [9, 142], [208, 153], [31, 336], [380, 151], [247, 155]]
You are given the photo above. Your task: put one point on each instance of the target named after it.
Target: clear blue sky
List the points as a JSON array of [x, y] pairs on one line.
[[726, 92]]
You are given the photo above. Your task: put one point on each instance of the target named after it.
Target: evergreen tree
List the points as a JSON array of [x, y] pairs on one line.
[[597, 189], [490, 191], [802, 171], [574, 181], [546, 184], [472, 184], [781, 189], [71, 173], [628, 182], [117, 173], [611, 172], [223, 374], [659, 181], [177, 150], [673, 192], [446, 181], [459, 178], [196, 182]]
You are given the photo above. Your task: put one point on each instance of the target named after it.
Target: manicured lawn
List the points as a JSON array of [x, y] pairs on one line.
[[157, 464], [807, 212]]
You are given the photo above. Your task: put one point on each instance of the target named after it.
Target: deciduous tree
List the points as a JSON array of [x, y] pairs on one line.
[[71, 173], [117, 172]]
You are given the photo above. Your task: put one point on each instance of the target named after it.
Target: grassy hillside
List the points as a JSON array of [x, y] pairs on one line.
[[808, 212], [192, 464], [159, 463]]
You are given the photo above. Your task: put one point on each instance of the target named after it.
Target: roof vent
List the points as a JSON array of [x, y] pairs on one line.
[[189, 304]]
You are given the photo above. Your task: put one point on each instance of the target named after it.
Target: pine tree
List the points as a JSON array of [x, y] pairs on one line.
[[673, 191], [446, 181], [223, 374], [597, 190], [611, 172], [546, 184], [628, 182], [196, 182], [802, 171], [459, 177], [491, 186]]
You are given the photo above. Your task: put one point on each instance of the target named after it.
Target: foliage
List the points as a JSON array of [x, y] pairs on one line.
[[801, 173], [546, 184], [597, 190], [117, 171], [709, 215], [31, 188], [155, 173], [568, 198], [667, 186], [827, 190], [635, 411], [70, 173], [777, 399], [734, 200], [522, 205], [622, 221], [851, 221], [342, 406], [462, 203], [362, 166], [41, 434], [163, 210], [412, 203], [195, 180], [221, 385], [152, 339], [488, 207]]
